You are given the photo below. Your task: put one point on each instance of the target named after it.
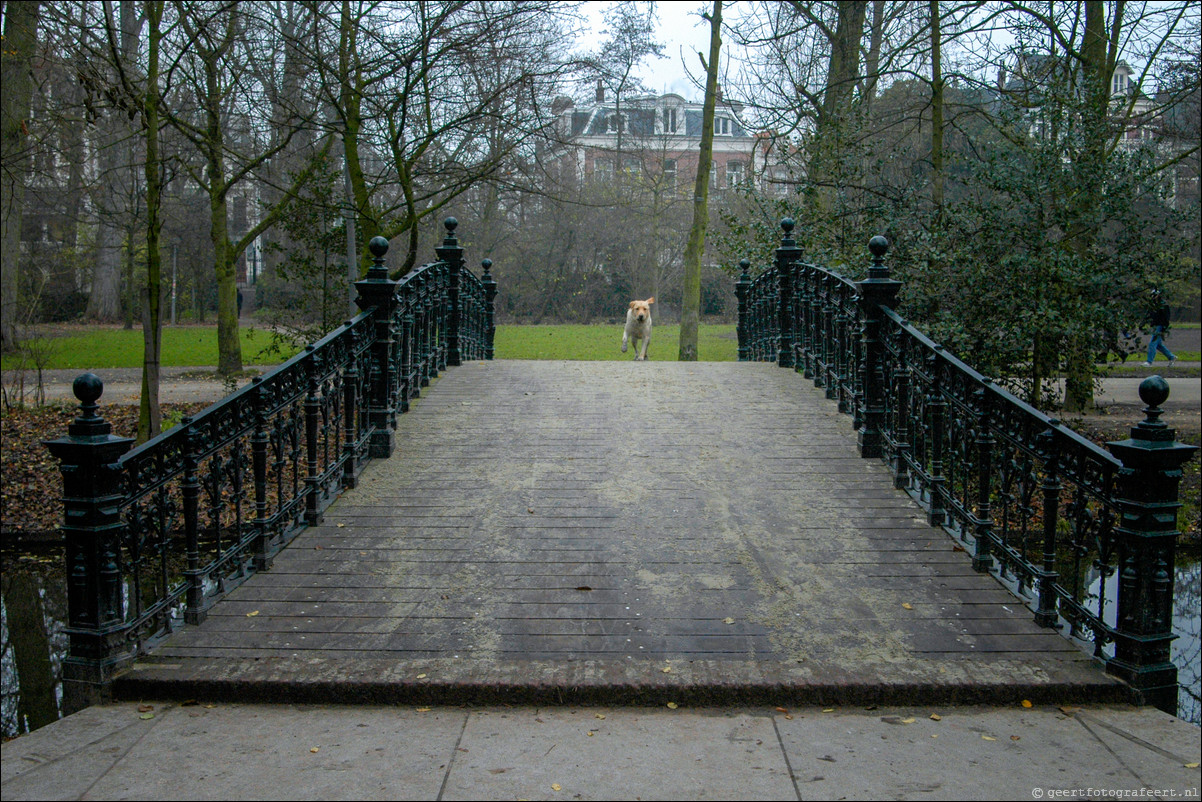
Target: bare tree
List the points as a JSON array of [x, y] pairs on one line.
[[691, 302], [16, 67]]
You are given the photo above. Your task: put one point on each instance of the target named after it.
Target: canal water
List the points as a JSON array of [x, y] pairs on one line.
[[34, 607]]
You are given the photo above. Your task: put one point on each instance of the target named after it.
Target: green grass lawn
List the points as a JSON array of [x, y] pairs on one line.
[[715, 343], [111, 347], [97, 348]]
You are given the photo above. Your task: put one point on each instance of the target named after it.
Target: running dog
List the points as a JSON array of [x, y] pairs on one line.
[[638, 327]]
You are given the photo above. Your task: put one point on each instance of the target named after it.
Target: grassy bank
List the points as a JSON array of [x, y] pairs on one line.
[[99, 347], [715, 343]]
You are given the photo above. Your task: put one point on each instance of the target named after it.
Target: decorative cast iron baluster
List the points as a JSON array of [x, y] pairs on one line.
[[312, 474], [786, 255], [876, 292], [936, 408], [742, 288], [378, 292], [1147, 540], [490, 295], [194, 611], [450, 253], [258, 447], [350, 411], [981, 559], [1046, 614]]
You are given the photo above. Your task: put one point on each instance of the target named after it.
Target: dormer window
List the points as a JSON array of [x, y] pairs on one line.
[[613, 124], [1118, 85], [670, 121], [722, 126]]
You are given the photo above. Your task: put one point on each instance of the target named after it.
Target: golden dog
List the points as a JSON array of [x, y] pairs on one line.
[[638, 327]]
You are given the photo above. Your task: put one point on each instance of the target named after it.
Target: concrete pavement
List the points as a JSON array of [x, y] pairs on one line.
[[156, 750]]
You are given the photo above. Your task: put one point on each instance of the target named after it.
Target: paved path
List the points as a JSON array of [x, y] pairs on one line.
[[239, 751], [619, 532]]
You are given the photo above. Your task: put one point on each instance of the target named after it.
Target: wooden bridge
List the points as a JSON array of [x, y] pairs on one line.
[[610, 531], [393, 515]]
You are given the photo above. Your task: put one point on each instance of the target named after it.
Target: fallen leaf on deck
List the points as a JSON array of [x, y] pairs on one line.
[[1027, 703], [145, 708], [672, 705], [421, 676], [341, 525], [1193, 765], [598, 715], [315, 749], [252, 614], [556, 787], [907, 606], [936, 717], [988, 738], [666, 669], [1015, 737], [146, 716]]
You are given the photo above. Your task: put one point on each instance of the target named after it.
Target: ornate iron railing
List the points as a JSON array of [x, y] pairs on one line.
[[1050, 513], [155, 535]]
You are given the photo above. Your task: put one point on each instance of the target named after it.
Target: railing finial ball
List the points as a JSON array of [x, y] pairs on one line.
[[450, 224], [786, 225], [378, 247], [745, 265], [1153, 391], [878, 245], [87, 387], [486, 264]]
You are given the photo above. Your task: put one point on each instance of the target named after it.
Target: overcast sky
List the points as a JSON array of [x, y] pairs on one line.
[[683, 33]]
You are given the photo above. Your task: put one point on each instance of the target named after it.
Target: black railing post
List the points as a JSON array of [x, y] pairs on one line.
[[1045, 614], [786, 255], [452, 254], [982, 561], [490, 314], [379, 292], [258, 448], [350, 388], [876, 291], [1146, 491], [312, 413], [742, 288], [92, 533]]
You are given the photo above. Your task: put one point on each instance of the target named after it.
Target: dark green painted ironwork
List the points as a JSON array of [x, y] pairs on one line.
[[1051, 514], [156, 534]]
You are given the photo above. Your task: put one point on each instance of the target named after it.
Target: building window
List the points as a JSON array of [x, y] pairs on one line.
[[1118, 85], [632, 167], [722, 126], [734, 174], [669, 121], [670, 172], [603, 170], [613, 124]]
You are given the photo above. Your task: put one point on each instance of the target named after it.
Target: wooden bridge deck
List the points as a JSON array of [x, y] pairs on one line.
[[617, 532]]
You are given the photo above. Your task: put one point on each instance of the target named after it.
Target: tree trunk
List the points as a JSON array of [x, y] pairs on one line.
[[834, 116], [936, 114], [150, 417], [16, 75], [1097, 67], [695, 247], [116, 158]]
